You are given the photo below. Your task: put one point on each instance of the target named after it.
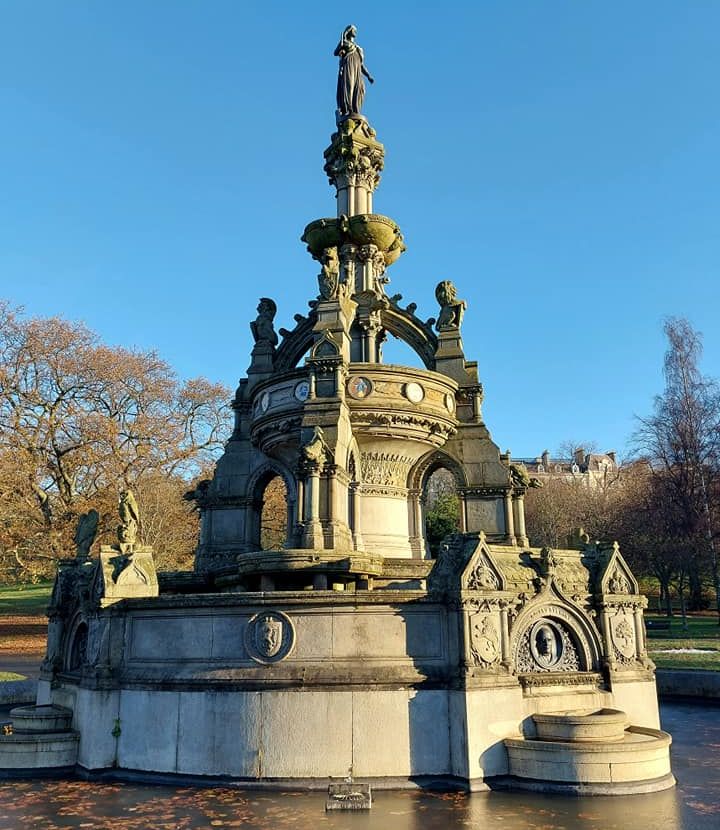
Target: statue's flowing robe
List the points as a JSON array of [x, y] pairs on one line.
[[351, 86]]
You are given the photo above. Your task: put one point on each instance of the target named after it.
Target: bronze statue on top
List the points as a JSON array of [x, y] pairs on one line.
[[350, 85]]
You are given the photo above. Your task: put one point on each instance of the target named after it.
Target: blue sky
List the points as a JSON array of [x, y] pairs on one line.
[[557, 161]]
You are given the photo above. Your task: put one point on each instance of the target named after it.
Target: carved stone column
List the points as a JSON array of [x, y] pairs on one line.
[[290, 533], [417, 524], [300, 503], [505, 657], [509, 520], [641, 646], [607, 637], [357, 517], [313, 533], [519, 515]]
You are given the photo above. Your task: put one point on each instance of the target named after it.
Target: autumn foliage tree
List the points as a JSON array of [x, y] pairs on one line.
[[79, 421]]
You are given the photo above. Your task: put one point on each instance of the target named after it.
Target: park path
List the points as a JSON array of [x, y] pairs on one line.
[[22, 643]]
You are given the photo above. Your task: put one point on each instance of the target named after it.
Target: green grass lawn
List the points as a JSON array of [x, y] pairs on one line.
[[25, 599], [10, 675], [701, 633]]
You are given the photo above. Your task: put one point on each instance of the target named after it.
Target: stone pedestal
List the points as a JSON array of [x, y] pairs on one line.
[[125, 574]]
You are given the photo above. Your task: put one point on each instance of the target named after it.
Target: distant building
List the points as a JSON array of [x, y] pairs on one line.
[[594, 468]]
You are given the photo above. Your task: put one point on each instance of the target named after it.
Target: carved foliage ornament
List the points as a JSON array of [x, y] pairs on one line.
[[622, 632], [385, 468]]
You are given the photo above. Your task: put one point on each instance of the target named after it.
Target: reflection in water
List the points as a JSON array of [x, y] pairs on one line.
[[694, 805]]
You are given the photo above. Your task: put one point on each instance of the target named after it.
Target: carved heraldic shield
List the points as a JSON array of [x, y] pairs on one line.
[[268, 636]]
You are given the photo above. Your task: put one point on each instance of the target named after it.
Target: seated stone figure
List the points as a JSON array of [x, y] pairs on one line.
[[451, 309], [262, 328]]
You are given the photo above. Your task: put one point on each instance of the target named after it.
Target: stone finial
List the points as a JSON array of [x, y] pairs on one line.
[[548, 562], [129, 519], [451, 309], [350, 85], [262, 328], [85, 534]]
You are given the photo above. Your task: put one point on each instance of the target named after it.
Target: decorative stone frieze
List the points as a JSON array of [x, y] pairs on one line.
[[384, 468]]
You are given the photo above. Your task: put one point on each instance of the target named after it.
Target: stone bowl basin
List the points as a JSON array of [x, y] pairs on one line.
[[582, 725], [362, 229]]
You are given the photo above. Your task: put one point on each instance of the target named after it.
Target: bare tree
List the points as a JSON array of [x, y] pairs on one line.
[[681, 440]]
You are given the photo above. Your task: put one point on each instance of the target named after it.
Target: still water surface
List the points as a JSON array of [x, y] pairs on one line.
[[693, 805]]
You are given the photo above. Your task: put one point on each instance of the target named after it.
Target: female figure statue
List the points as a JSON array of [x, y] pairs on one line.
[[350, 86]]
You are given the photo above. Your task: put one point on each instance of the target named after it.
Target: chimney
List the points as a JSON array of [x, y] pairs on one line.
[[580, 456], [546, 460]]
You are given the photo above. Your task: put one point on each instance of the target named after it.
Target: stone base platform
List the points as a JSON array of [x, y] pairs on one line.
[[41, 742], [638, 763]]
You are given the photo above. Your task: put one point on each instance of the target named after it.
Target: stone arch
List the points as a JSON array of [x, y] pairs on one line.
[[398, 321], [418, 479], [564, 617], [75, 651], [257, 485], [436, 460], [411, 330], [295, 344]]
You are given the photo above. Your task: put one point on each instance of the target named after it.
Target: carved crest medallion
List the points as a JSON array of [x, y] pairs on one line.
[[483, 641], [269, 636], [623, 634]]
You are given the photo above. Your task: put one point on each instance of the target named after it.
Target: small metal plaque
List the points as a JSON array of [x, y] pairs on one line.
[[355, 796]]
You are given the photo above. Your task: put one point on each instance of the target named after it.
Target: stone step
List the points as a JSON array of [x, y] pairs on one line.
[[40, 719], [26, 751]]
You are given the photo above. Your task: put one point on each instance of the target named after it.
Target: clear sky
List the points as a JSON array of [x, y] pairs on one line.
[[558, 161]]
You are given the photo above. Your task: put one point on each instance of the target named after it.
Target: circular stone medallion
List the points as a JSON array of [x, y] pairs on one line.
[[302, 390], [359, 387], [546, 644], [449, 402], [414, 392], [269, 637], [265, 401]]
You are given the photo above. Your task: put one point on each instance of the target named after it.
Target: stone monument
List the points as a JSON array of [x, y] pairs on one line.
[[349, 647]]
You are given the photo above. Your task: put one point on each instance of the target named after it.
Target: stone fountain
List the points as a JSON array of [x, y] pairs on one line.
[[350, 647]]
